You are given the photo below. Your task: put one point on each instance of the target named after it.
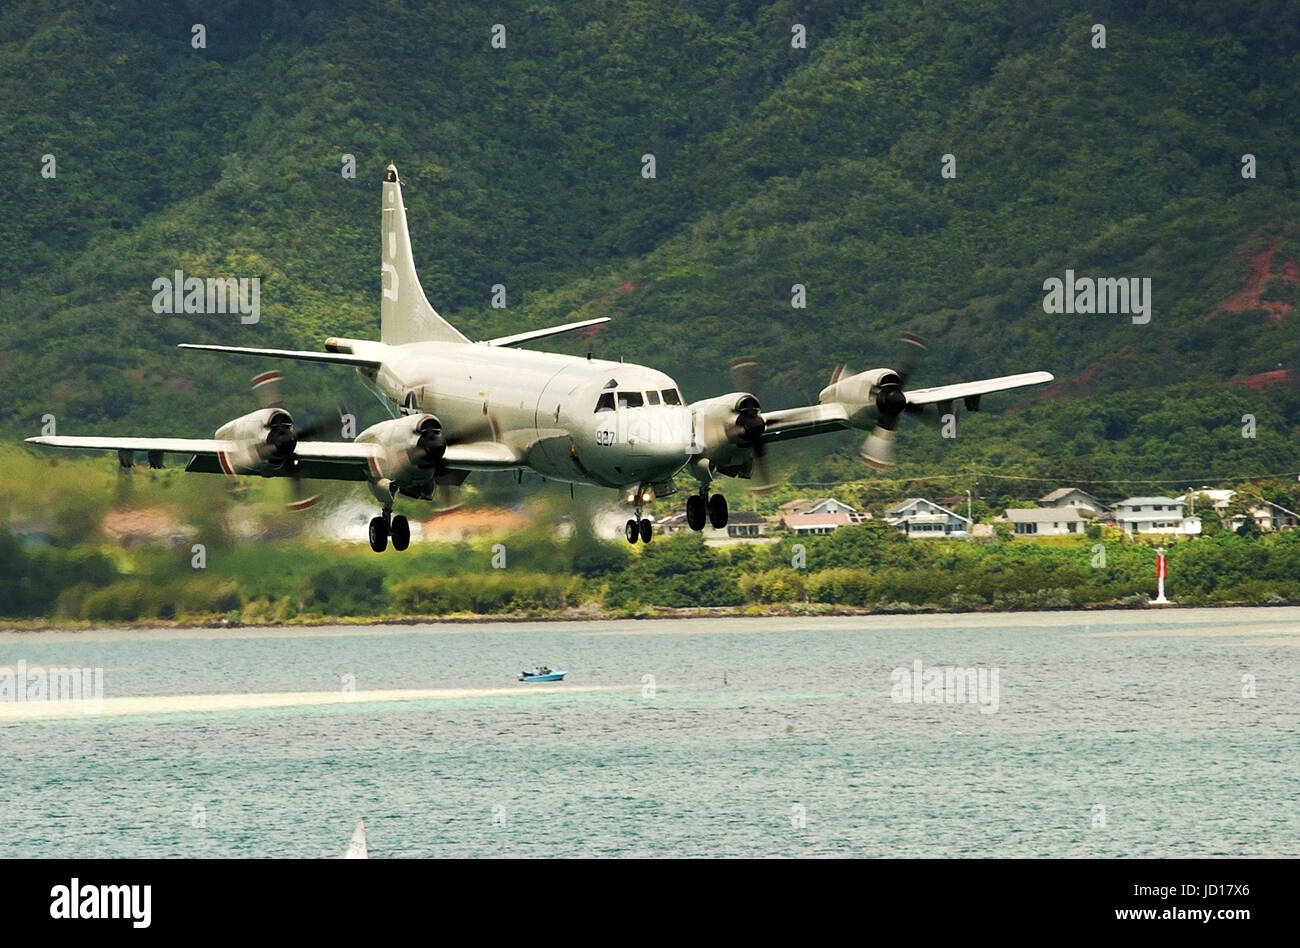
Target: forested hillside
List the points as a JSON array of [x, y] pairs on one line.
[[774, 166]]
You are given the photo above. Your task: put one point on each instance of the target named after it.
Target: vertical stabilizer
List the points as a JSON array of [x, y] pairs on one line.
[[405, 313]]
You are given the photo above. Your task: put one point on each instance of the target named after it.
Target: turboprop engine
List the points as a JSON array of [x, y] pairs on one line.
[[875, 399], [409, 455], [729, 430]]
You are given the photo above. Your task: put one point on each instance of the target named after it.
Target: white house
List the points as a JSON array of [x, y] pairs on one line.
[[1073, 497], [1048, 521], [1268, 515], [918, 517], [827, 505], [741, 525], [806, 524], [1141, 515]]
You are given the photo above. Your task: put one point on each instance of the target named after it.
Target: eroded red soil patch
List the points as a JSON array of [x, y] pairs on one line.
[[1261, 272]]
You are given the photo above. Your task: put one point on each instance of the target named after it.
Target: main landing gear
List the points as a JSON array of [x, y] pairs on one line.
[[638, 527], [387, 527], [701, 506]]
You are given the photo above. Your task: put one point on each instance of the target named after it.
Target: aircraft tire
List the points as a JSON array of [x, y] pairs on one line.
[[632, 531], [647, 531], [717, 511], [378, 535], [400, 533], [696, 512]]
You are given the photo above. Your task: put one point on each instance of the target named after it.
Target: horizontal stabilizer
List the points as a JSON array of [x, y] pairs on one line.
[[519, 337], [337, 358]]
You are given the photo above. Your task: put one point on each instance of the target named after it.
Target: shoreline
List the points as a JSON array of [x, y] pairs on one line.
[[773, 610]]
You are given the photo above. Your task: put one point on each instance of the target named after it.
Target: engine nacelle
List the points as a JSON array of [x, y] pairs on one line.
[[254, 425], [411, 451], [857, 393], [265, 440], [722, 425]]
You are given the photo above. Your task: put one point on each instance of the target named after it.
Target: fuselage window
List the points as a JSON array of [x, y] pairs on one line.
[[605, 402], [671, 397], [652, 398], [630, 400]]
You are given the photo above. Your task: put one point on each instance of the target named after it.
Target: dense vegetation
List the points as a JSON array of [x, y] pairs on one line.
[[775, 166], [866, 566]]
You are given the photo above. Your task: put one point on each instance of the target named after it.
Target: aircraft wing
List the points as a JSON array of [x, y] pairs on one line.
[[164, 445], [788, 423], [319, 460], [323, 460], [947, 393], [481, 456], [362, 461]]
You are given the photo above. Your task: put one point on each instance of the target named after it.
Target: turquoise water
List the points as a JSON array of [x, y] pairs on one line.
[[762, 737]]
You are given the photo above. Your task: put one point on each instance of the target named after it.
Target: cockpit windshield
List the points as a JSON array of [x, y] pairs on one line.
[[671, 397], [630, 400], [605, 402]]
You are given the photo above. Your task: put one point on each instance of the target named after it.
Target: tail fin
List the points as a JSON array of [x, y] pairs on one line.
[[405, 313]]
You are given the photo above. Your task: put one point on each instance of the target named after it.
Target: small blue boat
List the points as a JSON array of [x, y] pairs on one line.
[[542, 674]]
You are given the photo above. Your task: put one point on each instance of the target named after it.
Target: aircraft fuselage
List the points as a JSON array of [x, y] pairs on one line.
[[578, 420]]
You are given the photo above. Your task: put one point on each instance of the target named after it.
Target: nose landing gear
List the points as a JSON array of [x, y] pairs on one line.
[[638, 528]]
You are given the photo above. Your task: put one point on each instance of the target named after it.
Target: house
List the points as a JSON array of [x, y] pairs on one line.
[[809, 524], [919, 517], [31, 533], [1144, 515], [742, 525], [146, 527], [1048, 521], [1268, 515], [463, 523], [827, 505], [1276, 516], [673, 523], [1074, 497]]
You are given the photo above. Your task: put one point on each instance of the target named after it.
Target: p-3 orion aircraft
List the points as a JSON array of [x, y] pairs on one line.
[[458, 406]]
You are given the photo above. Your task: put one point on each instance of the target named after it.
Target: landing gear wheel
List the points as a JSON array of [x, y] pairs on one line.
[[647, 531], [696, 512], [400, 532], [717, 511], [632, 531], [378, 535]]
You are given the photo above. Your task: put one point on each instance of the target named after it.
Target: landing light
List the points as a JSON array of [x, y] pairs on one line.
[[645, 497]]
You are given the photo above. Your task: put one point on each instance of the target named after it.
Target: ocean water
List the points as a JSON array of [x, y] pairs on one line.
[[1143, 733]]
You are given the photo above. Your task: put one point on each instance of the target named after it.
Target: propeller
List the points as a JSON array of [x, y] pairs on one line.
[[891, 401], [427, 455], [282, 438], [748, 428]]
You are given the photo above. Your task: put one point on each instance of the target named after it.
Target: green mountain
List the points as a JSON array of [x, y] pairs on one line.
[[775, 165]]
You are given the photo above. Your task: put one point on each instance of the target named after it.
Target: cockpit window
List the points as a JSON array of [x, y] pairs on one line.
[[671, 397], [630, 400], [605, 402], [652, 398]]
